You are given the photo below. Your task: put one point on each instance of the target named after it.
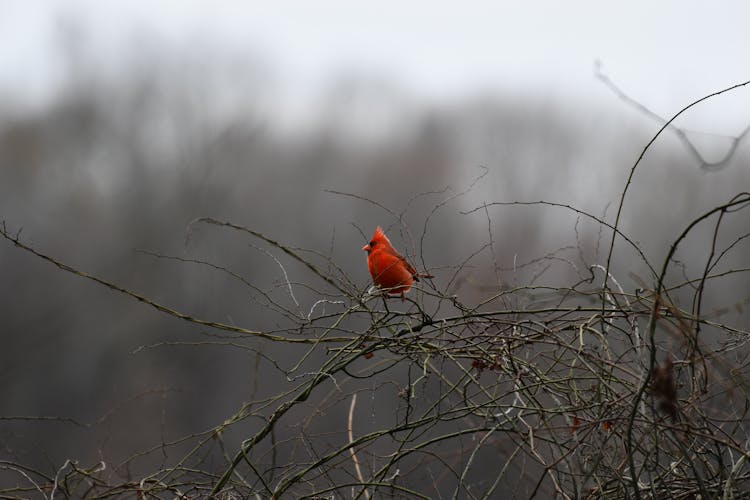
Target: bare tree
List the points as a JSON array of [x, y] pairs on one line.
[[583, 388]]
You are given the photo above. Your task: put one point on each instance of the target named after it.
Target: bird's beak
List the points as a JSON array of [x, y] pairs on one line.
[[366, 248]]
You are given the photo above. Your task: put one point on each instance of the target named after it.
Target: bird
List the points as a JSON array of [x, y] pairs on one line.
[[389, 269]]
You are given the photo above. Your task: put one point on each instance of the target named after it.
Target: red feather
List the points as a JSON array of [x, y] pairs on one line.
[[389, 270]]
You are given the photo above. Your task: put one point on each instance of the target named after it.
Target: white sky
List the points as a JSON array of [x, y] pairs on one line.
[[665, 53]]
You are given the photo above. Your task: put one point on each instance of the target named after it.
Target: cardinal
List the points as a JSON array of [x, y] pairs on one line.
[[389, 270]]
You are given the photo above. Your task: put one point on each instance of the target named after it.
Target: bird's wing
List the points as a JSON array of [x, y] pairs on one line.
[[408, 266]]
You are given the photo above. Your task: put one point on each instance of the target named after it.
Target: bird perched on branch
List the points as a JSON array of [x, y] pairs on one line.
[[389, 269]]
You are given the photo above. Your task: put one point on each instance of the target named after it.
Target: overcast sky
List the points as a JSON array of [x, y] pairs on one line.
[[664, 53]]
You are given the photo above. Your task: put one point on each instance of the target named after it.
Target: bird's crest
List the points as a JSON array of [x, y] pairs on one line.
[[380, 235]]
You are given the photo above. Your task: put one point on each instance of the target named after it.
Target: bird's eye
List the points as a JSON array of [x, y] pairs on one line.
[[372, 243]]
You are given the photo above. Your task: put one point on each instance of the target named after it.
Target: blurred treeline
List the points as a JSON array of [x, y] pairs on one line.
[[122, 162]]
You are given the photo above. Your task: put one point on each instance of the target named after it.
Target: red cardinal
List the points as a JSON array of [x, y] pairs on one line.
[[388, 268]]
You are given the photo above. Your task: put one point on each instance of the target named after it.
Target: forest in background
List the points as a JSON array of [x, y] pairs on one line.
[[111, 175]]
